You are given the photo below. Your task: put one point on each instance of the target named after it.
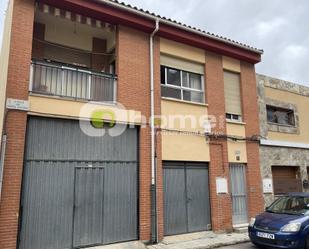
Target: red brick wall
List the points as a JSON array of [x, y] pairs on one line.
[[18, 82], [221, 213], [251, 118], [133, 71]]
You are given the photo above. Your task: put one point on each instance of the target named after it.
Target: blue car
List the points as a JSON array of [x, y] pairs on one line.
[[284, 224]]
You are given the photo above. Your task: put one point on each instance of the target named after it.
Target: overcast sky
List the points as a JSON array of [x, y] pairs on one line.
[[3, 7], [279, 27]]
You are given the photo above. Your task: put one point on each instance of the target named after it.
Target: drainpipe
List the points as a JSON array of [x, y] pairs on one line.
[[154, 227], [2, 156]]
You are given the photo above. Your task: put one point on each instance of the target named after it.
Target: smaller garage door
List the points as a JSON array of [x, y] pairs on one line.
[[286, 179], [186, 197]]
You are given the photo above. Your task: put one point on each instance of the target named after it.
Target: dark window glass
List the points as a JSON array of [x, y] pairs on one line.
[[162, 75], [170, 92], [233, 117], [173, 77], [297, 205], [280, 116]]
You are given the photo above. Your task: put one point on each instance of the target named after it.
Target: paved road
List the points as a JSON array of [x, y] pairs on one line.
[[240, 246]]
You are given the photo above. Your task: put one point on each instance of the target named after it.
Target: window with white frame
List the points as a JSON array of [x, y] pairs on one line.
[[183, 85]]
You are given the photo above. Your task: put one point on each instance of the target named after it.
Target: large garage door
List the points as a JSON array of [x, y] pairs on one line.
[[77, 190], [186, 198]]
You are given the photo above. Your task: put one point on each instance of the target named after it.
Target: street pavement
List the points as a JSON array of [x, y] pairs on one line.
[[240, 246]]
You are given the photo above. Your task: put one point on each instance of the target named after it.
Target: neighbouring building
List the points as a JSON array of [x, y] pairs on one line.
[[284, 151], [84, 166]]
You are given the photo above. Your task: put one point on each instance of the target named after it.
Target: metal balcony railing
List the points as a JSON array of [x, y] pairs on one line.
[[66, 81]]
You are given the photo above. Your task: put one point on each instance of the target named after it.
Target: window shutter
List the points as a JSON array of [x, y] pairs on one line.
[[181, 64], [232, 93]]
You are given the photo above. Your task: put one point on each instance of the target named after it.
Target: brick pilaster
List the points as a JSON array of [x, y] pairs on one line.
[[251, 118], [221, 208], [15, 124]]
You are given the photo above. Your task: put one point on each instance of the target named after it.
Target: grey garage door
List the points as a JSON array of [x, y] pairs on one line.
[[77, 190], [186, 197]]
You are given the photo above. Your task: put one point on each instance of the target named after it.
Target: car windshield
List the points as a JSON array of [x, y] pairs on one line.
[[290, 205]]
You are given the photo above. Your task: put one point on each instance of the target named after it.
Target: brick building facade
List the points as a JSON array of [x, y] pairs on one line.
[[125, 79]]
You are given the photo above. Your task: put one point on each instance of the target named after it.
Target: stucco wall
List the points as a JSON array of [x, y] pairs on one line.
[[288, 95], [4, 60], [66, 108], [182, 146], [236, 148], [182, 51]]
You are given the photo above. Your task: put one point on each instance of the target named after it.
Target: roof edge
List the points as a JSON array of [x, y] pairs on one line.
[[283, 85], [178, 25]]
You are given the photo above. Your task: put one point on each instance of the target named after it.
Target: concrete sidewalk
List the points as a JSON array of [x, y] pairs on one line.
[[201, 240]]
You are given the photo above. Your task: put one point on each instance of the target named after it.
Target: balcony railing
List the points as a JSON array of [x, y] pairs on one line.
[[66, 81]]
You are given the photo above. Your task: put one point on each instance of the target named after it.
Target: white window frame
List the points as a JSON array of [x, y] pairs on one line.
[[181, 87], [234, 117]]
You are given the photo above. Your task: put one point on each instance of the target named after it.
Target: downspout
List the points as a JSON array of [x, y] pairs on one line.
[[154, 227], [2, 157]]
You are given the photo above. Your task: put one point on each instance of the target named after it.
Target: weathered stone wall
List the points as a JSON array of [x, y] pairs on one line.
[[280, 156]]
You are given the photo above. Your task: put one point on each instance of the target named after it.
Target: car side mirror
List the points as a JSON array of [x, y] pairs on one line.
[[266, 209]]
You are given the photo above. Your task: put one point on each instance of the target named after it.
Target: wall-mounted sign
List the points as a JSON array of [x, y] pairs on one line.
[[17, 104], [221, 185], [267, 186]]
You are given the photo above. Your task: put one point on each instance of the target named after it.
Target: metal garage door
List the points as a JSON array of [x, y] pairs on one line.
[[286, 179], [186, 198], [77, 190]]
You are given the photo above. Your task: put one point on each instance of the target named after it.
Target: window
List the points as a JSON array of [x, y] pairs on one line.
[[232, 96], [180, 84], [233, 117], [290, 205], [280, 116]]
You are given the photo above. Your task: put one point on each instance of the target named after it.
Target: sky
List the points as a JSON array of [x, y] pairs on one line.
[[279, 27], [3, 7]]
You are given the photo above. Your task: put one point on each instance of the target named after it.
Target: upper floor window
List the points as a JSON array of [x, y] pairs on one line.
[[280, 116], [232, 96], [181, 84]]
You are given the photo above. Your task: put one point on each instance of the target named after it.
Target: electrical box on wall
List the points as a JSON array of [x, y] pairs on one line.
[[267, 186], [237, 155], [221, 185]]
